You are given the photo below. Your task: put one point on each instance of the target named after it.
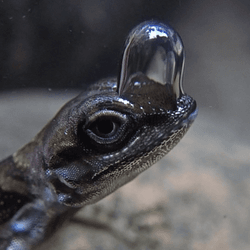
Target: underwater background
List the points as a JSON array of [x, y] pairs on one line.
[[198, 196]]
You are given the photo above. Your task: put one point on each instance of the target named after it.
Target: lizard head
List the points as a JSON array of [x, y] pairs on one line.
[[109, 134]]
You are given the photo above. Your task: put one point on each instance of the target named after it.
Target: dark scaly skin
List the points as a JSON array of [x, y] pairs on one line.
[[97, 142]]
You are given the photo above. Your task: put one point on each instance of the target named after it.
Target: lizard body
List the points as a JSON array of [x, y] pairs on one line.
[[98, 141]]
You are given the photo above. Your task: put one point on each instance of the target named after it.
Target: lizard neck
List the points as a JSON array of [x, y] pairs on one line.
[[27, 201], [23, 182]]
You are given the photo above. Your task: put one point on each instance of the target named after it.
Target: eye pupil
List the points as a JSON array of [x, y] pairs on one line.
[[105, 126], [106, 130]]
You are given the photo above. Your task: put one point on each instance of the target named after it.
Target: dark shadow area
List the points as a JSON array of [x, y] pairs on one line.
[[64, 44]]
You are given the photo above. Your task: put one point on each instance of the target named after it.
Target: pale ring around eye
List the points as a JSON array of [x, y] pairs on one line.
[[106, 126]]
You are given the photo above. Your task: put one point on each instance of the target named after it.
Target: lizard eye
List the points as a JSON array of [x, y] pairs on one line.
[[107, 127]]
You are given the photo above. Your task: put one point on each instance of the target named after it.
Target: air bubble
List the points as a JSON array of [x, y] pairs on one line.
[[155, 51]]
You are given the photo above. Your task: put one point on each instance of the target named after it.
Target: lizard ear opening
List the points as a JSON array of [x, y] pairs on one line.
[[156, 51]]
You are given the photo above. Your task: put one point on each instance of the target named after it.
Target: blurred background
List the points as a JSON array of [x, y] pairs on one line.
[[69, 44], [195, 198]]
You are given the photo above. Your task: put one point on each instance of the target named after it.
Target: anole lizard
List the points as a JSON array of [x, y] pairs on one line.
[[99, 140]]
